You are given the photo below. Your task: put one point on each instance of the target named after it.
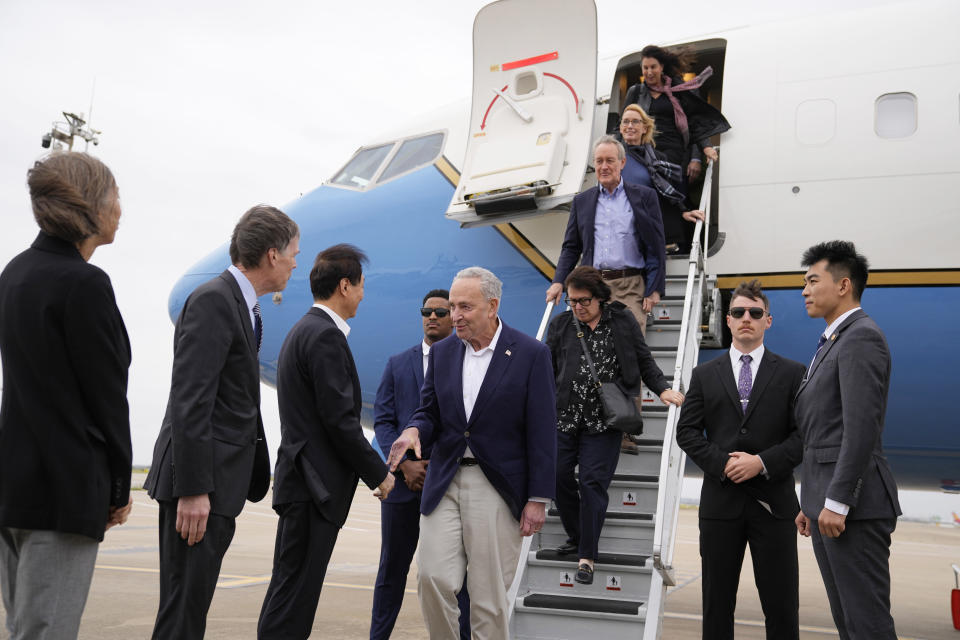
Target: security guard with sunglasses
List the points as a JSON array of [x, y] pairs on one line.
[[397, 398], [737, 425]]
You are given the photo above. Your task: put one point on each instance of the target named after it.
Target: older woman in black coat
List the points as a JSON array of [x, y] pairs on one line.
[[620, 355], [64, 424]]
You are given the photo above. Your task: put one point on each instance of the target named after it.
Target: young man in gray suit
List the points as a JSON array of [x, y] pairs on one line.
[[211, 454], [848, 496]]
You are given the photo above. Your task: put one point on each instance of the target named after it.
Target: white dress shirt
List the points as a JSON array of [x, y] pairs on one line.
[[337, 320], [426, 356], [249, 293], [757, 355], [475, 365], [833, 505]]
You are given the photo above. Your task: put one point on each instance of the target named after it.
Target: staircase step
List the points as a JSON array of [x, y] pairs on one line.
[[576, 603], [604, 559], [665, 357], [550, 573], [646, 461], [663, 334], [553, 511]]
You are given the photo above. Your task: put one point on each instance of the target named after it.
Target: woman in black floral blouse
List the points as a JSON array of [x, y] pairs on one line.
[[619, 354]]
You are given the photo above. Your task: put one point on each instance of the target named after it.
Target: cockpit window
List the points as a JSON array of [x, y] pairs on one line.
[[413, 153], [362, 167]]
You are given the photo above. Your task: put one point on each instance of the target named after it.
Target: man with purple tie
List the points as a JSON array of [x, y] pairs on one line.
[[737, 425]]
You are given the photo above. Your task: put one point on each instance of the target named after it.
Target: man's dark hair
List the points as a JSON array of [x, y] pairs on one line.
[[260, 229], [436, 293], [589, 278], [751, 290], [333, 265], [843, 261]]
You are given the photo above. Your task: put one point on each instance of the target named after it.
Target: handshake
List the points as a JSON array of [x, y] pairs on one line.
[[414, 471]]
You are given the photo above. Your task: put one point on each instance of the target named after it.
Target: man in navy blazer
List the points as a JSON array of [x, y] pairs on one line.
[[617, 228], [488, 409], [848, 497], [398, 397]]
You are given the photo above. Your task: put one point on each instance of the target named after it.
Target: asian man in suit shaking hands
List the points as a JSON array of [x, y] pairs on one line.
[[737, 425]]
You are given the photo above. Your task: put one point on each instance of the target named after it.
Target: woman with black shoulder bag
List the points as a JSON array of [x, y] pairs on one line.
[[599, 360]]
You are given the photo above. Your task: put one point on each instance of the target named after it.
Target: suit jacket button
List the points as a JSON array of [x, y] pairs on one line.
[[466, 434], [743, 431]]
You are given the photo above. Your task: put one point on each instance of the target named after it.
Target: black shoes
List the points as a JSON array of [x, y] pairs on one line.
[[584, 574], [567, 548]]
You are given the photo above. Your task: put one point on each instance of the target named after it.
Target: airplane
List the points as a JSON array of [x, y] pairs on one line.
[[842, 128]]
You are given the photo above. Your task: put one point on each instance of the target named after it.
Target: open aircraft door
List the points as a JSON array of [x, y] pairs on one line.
[[531, 120]]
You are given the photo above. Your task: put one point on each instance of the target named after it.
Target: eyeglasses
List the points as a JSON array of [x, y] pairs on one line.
[[440, 311], [755, 312], [583, 302], [631, 123]]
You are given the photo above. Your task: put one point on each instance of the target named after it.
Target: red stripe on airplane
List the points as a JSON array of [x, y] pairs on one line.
[[576, 100], [526, 62], [487, 112]]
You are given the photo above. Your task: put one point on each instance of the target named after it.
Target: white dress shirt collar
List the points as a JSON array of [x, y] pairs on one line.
[[246, 289], [337, 320], [489, 347], [756, 354], [832, 328]]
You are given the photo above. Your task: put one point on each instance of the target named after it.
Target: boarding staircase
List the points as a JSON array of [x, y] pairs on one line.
[[635, 567]]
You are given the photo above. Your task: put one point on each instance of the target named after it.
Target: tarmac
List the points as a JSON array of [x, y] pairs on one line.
[[123, 597]]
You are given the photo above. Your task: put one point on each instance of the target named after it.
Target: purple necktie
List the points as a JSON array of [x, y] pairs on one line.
[[745, 382]]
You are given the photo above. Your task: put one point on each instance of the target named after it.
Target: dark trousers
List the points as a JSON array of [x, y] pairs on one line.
[[583, 504], [304, 544], [399, 533], [856, 573], [773, 548], [188, 575]]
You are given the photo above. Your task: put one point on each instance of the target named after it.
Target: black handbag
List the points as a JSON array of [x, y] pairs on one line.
[[619, 410]]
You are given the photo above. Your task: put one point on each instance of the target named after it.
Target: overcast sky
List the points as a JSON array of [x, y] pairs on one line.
[[210, 107]]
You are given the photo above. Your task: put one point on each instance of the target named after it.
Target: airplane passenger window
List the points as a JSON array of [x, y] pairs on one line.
[[896, 115], [414, 153], [362, 167]]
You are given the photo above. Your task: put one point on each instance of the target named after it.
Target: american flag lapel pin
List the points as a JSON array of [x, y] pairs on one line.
[[508, 352]]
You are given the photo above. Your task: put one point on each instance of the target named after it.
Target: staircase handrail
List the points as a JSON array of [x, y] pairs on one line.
[[673, 458]]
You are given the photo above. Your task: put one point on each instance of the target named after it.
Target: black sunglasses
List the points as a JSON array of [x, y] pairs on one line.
[[583, 302], [755, 312], [440, 311]]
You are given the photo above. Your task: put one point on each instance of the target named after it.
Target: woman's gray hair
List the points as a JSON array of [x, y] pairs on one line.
[[490, 285], [608, 139]]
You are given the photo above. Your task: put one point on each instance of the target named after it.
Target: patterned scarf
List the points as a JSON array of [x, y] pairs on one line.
[[664, 175], [679, 117]]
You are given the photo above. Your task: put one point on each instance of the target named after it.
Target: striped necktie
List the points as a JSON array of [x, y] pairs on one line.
[[257, 325], [822, 341]]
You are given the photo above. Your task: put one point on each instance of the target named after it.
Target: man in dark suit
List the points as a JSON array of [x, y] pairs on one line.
[[323, 451], [488, 409], [617, 228], [849, 497], [737, 425], [397, 398], [211, 454]]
